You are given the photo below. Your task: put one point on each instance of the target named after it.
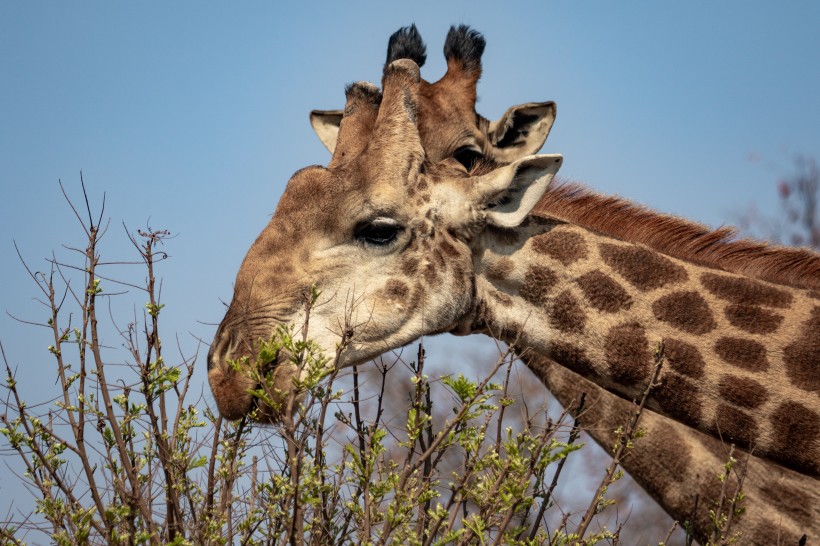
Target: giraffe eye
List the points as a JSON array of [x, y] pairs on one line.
[[467, 156], [377, 232]]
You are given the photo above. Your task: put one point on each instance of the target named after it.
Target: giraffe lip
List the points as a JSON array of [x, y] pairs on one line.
[[235, 388]]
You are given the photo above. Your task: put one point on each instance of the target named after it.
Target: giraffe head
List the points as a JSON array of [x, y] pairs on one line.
[[450, 128], [384, 234]]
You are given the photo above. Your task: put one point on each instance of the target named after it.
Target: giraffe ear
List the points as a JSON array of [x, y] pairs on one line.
[[511, 192], [326, 124], [521, 131]]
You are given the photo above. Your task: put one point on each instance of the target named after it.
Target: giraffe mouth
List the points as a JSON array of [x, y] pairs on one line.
[[276, 394], [267, 393]]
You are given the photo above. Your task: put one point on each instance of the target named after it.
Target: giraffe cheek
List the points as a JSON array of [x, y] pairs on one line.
[[392, 303], [395, 290]]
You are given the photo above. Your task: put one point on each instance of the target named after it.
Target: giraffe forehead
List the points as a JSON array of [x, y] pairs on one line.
[[319, 202]]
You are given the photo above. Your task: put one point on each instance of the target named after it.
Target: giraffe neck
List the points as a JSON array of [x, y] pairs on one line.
[[677, 465], [741, 355]]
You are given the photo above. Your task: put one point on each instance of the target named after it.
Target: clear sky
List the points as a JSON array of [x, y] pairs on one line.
[[192, 116]]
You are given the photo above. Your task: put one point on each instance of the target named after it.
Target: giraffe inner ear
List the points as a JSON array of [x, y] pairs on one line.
[[522, 130], [326, 124], [511, 192]]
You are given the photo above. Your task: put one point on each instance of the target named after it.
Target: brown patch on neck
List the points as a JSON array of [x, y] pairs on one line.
[[735, 425], [753, 319], [643, 268], [743, 353], [565, 246], [573, 357], [566, 314], [538, 284], [742, 391], [745, 291], [679, 398], [604, 293], [627, 354], [681, 238], [799, 430], [802, 357], [686, 311], [684, 358]]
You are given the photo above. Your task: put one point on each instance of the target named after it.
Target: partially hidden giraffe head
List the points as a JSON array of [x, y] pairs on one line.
[[450, 128], [383, 234]]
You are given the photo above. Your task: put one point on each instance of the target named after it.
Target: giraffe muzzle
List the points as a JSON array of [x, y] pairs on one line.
[[235, 375]]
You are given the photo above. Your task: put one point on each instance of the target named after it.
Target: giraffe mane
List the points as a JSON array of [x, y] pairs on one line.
[[719, 248]]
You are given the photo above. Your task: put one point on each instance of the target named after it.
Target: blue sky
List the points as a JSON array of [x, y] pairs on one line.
[[191, 116]]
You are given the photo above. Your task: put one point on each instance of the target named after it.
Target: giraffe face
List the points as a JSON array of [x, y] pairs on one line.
[[383, 235]]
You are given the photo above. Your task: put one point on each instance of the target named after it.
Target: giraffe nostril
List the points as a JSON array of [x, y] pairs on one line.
[[224, 345], [233, 343], [211, 355]]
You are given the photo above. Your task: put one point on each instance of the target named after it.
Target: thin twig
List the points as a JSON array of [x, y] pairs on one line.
[[625, 438]]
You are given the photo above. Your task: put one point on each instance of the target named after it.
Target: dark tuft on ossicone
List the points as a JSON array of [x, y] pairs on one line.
[[406, 43], [466, 45], [365, 91]]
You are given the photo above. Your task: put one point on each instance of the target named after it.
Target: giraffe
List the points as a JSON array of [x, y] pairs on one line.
[[674, 464], [449, 126], [401, 248]]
